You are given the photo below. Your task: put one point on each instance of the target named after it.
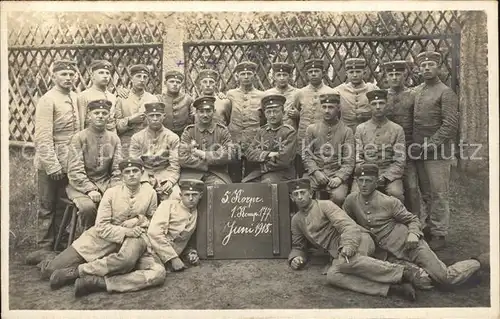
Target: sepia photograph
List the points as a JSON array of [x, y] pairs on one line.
[[331, 157]]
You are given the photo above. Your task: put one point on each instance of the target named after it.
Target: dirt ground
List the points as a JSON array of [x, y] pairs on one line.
[[271, 284]]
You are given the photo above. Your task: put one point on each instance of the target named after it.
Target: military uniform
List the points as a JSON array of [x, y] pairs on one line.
[[390, 223], [159, 151], [214, 140], [435, 124], [126, 108], [400, 106], [178, 113], [353, 101], [330, 149], [222, 112], [289, 92], [281, 139], [324, 225], [56, 120], [382, 144], [94, 93], [92, 166]]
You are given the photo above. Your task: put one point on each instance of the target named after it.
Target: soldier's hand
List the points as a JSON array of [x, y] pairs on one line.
[[348, 251], [129, 223], [134, 232], [221, 96], [57, 176], [199, 153], [334, 182], [292, 112], [273, 155], [166, 187], [137, 118], [177, 264], [321, 177], [411, 241], [95, 196], [297, 262], [122, 92]]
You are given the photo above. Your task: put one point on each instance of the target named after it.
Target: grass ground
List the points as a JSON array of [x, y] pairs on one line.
[[254, 284]]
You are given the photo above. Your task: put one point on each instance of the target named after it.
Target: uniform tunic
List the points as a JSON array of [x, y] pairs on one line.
[[246, 115], [91, 94], [330, 149], [159, 152], [400, 110], [117, 205], [382, 144], [282, 140], [93, 162], [354, 104], [57, 120], [178, 112], [309, 107], [290, 92], [436, 117], [215, 140], [171, 228]]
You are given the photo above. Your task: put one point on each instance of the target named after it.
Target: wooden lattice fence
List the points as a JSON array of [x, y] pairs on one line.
[[33, 49]]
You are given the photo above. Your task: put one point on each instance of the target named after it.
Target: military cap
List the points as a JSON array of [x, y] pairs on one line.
[[301, 183], [330, 98], [282, 67], [191, 185], [273, 100], [129, 162], [395, 66], [314, 64], [245, 66], [366, 170], [428, 56], [154, 107], [208, 73], [139, 68], [60, 65], [100, 64], [204, 101], [376, 95], [99, 105], [355, 64], [174, 74]]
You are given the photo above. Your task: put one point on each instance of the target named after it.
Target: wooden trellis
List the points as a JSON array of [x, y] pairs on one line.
[[32, 51]]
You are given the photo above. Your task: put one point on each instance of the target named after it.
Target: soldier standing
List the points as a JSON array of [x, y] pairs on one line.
[[353, 101], [330, 154], [204, 150], [178, 112], [281, 76], [57, 120], [207, 81], [307, 108], [435, 126], [100, 77], [246, 116], [274, 147]]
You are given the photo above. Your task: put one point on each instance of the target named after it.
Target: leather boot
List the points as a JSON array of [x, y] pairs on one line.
[[418, 277], [437, 243], [89, 284], [35, 257], [404, 290], [484, 260], [63, 277]]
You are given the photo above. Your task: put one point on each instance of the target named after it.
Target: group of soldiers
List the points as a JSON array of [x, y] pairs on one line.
[[135, 167]]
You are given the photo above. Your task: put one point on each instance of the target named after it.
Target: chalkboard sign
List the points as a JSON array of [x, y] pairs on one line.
[[249, 220]]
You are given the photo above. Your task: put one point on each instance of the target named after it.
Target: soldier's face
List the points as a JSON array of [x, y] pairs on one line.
[[274, 115], [132, 175], [355, 76], [330, 111], [281, 79], [139, 80], [205, 114], [173, 85], [207, 86], [367, 184], [395, 79], [64, 78], [98, 118], [378, 107], [189, 198], [315, 76], [245, 77], [101, 77], [155, 120], [301, 197], [429, 69]]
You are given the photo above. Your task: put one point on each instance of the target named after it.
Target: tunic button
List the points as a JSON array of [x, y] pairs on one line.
[[366, 203]]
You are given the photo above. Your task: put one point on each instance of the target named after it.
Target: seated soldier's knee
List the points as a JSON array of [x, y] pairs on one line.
[[86, 207], [157, 275], [396, 191], [338, 197]]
